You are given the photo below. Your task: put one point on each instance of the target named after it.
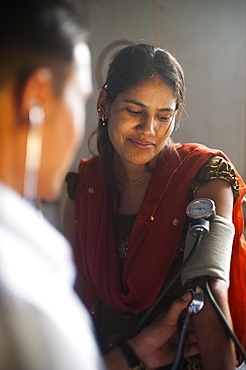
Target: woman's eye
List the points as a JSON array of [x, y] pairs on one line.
[[134, 111], [165, 118]]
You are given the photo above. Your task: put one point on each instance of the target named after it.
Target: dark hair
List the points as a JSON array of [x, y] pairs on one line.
[[39, 33], [137, 63], [132, 65]]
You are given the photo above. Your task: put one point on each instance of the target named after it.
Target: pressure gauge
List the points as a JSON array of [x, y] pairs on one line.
[[201, 208]]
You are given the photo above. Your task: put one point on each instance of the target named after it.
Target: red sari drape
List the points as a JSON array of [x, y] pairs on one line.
[[154, 237]]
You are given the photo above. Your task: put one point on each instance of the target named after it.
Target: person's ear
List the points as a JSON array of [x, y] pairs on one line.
[[35, 97], [102, 104]]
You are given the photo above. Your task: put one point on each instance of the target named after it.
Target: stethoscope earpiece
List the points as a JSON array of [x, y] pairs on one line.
[[36, 115]]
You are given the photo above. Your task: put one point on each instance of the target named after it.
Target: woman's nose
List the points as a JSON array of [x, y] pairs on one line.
[[148, 126]]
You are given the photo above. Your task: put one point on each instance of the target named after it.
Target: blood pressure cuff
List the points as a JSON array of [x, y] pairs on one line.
[[213, 255]]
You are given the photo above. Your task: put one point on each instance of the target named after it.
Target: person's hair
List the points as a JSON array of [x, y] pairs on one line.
[[39, 33], [131, 66]]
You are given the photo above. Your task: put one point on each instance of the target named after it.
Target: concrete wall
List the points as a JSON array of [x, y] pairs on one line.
[[208, 37]]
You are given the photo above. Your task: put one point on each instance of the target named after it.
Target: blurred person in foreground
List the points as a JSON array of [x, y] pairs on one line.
[[44, 84]]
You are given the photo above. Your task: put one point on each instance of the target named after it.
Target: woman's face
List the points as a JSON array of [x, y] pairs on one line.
[[65, 128], [140, 120]]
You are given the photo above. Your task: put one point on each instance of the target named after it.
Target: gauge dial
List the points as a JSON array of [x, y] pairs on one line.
[[201, 208]]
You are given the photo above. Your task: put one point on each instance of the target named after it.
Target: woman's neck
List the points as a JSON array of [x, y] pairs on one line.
[[128, 173]]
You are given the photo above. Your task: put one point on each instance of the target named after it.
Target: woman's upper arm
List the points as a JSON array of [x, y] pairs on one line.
[[69, 224], [215, 345], [220, 191]]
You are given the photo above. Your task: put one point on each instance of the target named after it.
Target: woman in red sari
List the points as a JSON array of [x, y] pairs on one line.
[[128, 222]]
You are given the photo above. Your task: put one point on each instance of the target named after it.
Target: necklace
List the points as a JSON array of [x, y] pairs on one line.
[[128, 181]]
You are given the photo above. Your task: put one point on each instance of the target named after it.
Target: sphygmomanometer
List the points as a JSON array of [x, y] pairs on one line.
[[207, 254]]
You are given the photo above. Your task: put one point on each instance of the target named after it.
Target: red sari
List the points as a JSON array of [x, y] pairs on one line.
[[154, 237]]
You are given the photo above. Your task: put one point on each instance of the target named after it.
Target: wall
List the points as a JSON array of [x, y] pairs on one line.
[[208, 37]]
